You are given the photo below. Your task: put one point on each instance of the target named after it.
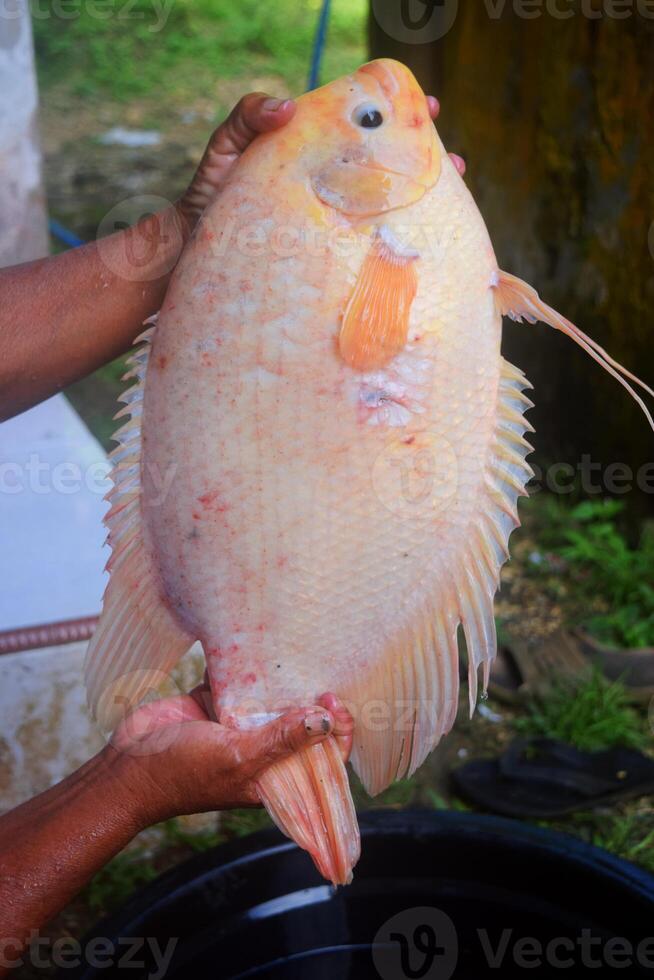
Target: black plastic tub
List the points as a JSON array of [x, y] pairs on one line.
[[435, 895]]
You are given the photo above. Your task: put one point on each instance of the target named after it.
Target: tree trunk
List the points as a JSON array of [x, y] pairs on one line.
[[554, 117], [23, 224]]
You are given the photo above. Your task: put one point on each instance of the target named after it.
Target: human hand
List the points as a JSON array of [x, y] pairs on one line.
[[254, 114], [176, 760], [434, 107]]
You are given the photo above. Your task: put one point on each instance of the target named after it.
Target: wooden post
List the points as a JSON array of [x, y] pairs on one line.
[[23, 223], [552, 103]]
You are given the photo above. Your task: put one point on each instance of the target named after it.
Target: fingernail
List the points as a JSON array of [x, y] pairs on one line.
[[317, 722], [271, 105]]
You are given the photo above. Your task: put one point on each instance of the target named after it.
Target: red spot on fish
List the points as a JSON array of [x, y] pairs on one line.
[[407, 442], [208, 501], [196, 516], [249, 678], [162, 360], [282, 561], [416, 121], [206, 359]]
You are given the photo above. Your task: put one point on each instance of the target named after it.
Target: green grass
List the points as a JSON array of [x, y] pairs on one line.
[[592, 714], [608, 579], [199, 42], [114, 883], [240, 823], [132, 869], [629, 835]]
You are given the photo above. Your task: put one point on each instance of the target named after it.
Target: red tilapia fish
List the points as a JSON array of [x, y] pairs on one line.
[[341, 443]]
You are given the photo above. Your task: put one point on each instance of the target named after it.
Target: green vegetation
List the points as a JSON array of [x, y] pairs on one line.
[[626, 832], [137, 49], [239, 823], [629, 835], [602, 578], [135, 867], [591, 714], [114, 883]]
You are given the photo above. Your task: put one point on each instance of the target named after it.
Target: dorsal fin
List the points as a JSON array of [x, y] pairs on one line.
[[137, 641], [420, 669]]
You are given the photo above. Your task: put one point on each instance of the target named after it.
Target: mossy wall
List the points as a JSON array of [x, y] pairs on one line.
[[555, 118]]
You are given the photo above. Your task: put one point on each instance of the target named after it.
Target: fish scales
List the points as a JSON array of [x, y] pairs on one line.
[[322, 469]]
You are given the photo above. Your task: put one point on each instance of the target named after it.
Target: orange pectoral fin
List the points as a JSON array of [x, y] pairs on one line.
[[520, 301], [376, 320]]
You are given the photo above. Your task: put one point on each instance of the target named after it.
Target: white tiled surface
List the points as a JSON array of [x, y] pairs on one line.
[[52, 483], [45, 729]]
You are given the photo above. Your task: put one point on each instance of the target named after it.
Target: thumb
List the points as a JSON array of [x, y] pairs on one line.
[[255, 113], [296, 729]]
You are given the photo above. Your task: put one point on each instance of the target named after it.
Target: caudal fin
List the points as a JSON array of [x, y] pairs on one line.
[[308, 797]]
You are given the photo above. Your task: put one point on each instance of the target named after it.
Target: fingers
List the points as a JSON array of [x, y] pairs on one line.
[[154, 716], [434, 108], [255, 113], [458, 162], [261, 113], [343, 730], [433, 105], [296, 729]]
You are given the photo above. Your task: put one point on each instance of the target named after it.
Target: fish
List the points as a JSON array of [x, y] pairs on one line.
[[322, 452]]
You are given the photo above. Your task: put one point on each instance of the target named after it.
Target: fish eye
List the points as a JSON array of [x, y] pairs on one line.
[[367, 116]]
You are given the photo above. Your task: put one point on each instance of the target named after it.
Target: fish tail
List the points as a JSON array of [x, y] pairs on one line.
[[308, 796]]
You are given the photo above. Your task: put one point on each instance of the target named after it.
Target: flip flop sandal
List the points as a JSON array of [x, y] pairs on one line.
[[545, 778], [633, 666], [527, 668]]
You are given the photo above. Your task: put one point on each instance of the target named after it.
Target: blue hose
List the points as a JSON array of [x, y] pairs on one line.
[[63, 234], [318, 45]]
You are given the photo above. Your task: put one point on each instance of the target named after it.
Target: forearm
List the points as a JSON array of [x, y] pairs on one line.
[[63, 317], [52, 845]]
